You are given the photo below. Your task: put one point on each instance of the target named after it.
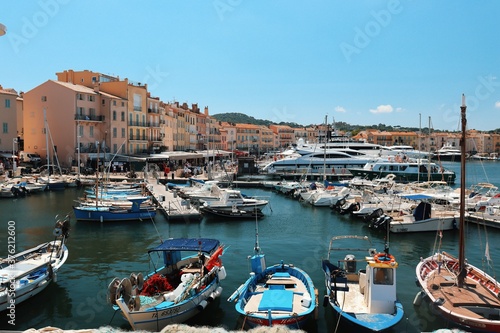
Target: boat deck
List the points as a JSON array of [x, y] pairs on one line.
[[280, 296], [171, 205], [25, 267], [442, 285]]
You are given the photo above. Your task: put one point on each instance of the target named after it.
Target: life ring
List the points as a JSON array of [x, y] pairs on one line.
[[384, 258]]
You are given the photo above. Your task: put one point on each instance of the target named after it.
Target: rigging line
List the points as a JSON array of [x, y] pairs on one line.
[[109, 165]]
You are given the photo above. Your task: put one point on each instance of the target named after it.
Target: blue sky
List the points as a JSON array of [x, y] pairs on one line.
[[360, 62]]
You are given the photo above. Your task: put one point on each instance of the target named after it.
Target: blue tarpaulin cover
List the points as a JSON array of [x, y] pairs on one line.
[[281, 300]]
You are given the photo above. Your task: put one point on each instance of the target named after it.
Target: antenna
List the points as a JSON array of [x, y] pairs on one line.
[[257, 247]]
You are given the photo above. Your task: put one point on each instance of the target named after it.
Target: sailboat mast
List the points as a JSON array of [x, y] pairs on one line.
[[324, 148], [461, 251], [46, 142]]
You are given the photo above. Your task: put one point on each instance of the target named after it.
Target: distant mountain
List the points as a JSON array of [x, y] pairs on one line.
[[240, 118]]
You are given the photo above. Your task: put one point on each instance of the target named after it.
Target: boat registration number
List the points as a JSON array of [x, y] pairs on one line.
[[165, 313]]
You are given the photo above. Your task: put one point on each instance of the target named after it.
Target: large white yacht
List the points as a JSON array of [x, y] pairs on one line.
[[328, 161], [448, 152]]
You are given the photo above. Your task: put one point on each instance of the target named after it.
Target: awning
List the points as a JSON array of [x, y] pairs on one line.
[[176, 155], [416, 196], [206, 245], [214, 152]]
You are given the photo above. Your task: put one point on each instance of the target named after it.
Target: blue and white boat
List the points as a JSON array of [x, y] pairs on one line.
[[281, 294], [366, 298], [109, 212], [188, 278], [25, 274]]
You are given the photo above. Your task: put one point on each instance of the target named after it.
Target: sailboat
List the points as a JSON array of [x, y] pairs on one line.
[[54, 183], [460, 292]]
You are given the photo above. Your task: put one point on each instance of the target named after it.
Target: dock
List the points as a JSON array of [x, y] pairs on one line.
[[171, 205], [492, 221]]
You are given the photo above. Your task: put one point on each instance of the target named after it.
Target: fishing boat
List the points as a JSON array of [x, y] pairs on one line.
[[405, 170], [457, 290], [188, 278], [107, 211], [281, 294], [234, 213], [25, 274], [366, 298]]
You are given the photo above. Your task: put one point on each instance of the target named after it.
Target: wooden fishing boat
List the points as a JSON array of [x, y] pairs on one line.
[[188, 279], [457, 290]]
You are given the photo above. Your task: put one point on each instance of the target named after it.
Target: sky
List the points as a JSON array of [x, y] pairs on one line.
[[365, 62]]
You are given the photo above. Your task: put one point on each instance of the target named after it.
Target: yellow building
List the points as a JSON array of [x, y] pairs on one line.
[[9, 113]]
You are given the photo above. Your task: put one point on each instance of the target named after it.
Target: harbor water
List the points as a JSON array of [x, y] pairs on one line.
[[294, 232]]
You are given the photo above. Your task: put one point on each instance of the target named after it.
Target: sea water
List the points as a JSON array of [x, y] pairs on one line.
[[294, 232]]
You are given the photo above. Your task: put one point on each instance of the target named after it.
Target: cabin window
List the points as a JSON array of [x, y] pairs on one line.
[[383, 276]]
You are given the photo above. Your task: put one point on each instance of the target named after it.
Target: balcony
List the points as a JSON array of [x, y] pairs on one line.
[[83, 117], [153, 124], [138, 137], [138, 123]]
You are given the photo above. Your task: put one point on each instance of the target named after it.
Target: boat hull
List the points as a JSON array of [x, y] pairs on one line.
[[402, 177], [105, 215], [157, 318], [431, 224]]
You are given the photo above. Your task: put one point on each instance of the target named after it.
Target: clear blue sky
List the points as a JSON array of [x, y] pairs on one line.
[[361, 62]]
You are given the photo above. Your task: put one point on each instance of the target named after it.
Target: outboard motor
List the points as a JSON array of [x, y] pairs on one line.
[[374, 215], [350, 263]]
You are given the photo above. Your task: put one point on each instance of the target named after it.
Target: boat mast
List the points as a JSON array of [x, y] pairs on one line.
[[461, 251], [324, 148], [257, 247], [47, 143], [97, 180]]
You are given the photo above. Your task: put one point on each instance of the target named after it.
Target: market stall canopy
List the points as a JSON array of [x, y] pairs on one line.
[[214, 152]]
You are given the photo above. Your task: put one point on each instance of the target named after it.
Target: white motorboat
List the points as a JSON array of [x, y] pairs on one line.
[[230, 199], [25, 274]]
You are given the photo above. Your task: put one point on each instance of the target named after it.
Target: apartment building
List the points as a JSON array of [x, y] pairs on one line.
[[285, 135], [9, 106], [59, 117]]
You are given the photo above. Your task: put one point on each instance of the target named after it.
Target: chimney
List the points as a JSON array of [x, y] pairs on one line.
[[206, 110]]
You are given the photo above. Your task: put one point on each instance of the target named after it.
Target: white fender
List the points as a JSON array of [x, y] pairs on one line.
[[418, 298], [222, 273], [216, 293], [202, 305]]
